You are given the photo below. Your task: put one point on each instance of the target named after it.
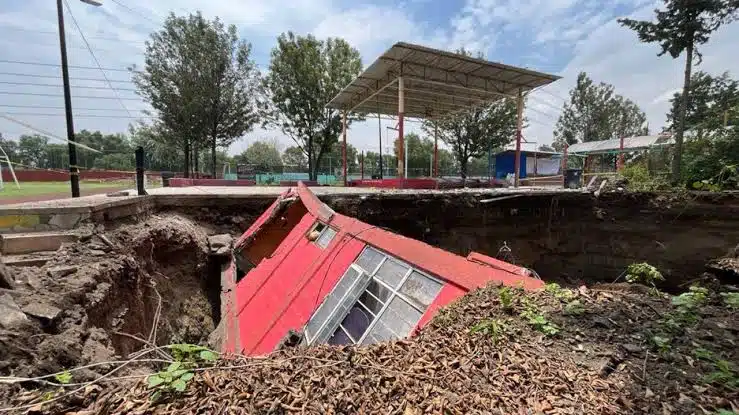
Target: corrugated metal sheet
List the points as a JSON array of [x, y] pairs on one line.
[[630, 144]]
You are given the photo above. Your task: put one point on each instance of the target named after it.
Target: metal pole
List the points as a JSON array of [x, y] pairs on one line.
[[405, 161], [436, 150], [362, 164], [74, 177], [343, 150], [519, 125], [140, 170], [401, 111], [620, 162], [379, 135]]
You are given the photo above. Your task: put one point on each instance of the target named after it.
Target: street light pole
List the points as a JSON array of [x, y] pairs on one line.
[[74, 176]]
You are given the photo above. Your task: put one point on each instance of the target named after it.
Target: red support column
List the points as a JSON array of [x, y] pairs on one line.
[[401, 111], [564, 165], [620, 162], [436, 150], [343, 150], [519, 126], [361, 165]]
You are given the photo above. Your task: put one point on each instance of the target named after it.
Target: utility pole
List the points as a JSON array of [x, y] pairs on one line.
[[74, 175]]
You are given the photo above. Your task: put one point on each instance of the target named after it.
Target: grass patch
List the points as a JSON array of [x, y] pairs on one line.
[[43, 188]]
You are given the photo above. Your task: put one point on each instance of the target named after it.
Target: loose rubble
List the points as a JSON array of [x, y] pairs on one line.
[[480, 355]]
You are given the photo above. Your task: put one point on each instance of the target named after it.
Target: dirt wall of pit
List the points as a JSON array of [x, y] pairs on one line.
[[568, 238]]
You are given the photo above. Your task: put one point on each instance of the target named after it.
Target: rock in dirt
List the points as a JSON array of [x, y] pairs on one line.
[[6, 277], [10, 314], [220, 245], [42, 311], [61, 271]]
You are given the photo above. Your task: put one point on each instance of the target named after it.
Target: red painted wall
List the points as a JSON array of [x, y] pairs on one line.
[[284, 291], [182, 182]]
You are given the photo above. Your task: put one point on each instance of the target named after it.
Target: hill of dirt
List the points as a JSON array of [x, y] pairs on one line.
[[608, 349]]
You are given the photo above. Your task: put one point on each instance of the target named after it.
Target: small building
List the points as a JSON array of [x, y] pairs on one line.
[[303, 268], [533, 163]]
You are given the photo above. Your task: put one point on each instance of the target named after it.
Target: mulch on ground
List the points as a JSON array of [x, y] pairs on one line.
[[476, 357]]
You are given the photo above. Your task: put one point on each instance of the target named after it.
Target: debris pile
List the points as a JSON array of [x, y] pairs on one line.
[[588, 351]]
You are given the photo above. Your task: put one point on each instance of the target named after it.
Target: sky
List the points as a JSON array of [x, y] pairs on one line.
[[562, 37]]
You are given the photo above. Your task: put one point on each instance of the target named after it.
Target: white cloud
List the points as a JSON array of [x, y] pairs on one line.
[[613, 54]]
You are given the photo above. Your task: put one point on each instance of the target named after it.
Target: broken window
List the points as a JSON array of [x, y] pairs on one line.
[[379, 298], [322, 234]]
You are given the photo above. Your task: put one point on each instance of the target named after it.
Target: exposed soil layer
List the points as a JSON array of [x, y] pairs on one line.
[[480, 355], [569, 238], [84, 303]]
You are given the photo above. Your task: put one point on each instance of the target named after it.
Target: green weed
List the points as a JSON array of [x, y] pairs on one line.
[[574, 308], [643, 273], [496, 329], [559, 292], [662, 343], [63, 377], [731, 300], [724, 375], [537, 320], [177, 375], [505, 294]]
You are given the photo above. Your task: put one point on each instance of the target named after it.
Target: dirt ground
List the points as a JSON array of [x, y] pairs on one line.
[[482, 354], [90, 301]]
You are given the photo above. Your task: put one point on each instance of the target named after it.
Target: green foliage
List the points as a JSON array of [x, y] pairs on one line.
[[724, 374], [559, 292], [724, 412], [689, 301], [596, 112], [662, 343], [713, 101], [641, 180], [305, 73], [496, 329], [643, 273], [537, 320], [703, 354], [574, 308], [177, 375], [505, 294], [731, 300], [294, 159], [264, 155], [199, 79], [63, 377]]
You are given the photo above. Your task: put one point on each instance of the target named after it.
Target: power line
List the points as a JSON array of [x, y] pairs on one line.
[[58, 77], [157, 24], [56, 65], [51, 107], [49, 32], [74, 20], [35, 114], [59, 95], [57, 85], [38, 130]]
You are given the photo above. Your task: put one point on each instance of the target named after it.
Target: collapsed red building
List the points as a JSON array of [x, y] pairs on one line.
[[301, 267]]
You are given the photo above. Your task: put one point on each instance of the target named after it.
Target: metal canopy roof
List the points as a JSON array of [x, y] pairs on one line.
[[435, 83], [630, 144]]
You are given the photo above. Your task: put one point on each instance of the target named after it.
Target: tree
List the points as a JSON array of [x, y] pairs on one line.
[[336, 154], [10, 147], [545, 147], [681, 27], [161, 151], [714, 101], [200, 81], [372, 162], [473, 133], [294, 159], [264, 155], [304, 75], [596, 112], [32, 150]]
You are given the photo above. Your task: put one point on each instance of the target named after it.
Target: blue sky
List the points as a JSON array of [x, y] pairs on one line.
[[557, 36]]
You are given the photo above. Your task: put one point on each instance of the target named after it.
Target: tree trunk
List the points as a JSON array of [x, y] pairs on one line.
[[213, 157], [196, 160], [187, 157], [463, 167], [311, 164], [677, 158]]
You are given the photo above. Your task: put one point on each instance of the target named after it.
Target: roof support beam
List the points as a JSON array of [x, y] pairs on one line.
[[374, 92]]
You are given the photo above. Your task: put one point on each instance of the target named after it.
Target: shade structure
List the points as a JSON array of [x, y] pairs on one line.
[[614, 145], [434, 83]]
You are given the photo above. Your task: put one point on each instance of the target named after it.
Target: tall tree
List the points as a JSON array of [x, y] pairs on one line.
[[294, 159], [714, 101], [545, 147], [200, 81], [161, 151], [681, 27], [264, 155], [10, 147], [596, 112], [32, 150], [304, 75], [336, 154], [472, 133]]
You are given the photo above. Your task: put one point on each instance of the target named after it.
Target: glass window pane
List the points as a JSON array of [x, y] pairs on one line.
[[420, 289], [331, 301], [391, 273], [372, 303], [339, 338], [326, 237], [356, 322], [398, 319], [370, 259], [342, 310], [380, 292]]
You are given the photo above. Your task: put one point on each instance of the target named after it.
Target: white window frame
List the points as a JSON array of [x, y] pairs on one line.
[[325, 227], [366, 277]]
